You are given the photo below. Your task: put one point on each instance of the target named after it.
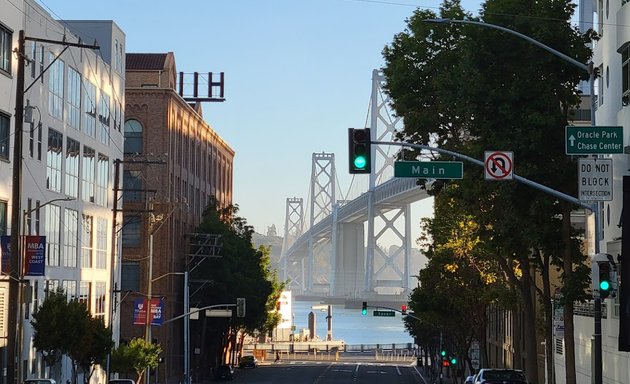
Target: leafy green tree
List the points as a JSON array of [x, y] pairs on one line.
[[241, 271], [470, 89], [65, 327], [135, 357], [93, 347]]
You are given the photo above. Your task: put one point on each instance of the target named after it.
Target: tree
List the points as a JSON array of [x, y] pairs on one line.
[[65, 327], [135, 357], [241, 271], [469, 89]]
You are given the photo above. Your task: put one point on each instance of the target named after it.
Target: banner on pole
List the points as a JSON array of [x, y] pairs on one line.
[[140, 311], [34, 256]]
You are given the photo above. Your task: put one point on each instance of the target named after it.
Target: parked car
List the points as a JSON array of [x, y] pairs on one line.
[[248, 361], [470, 379], [224, 372], [121, 381], [500, 376], [39, 381]]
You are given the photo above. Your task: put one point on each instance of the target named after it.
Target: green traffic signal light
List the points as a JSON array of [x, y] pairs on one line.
[[453, 360], [604, 279], [364, 309], [443, 353], [359, 150], [360, 162]]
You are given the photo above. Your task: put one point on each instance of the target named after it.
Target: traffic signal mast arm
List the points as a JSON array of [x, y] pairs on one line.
[[480, 163], [195, 310]]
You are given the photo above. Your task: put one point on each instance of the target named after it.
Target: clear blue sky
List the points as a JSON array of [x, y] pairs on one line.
[[298, 75]]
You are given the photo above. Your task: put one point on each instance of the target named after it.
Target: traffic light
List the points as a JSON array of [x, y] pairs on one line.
[[364, 309], [359, 150], [403, 309], [443, 353], [603, 273], [604, 279], [453, 360], [240, 307]]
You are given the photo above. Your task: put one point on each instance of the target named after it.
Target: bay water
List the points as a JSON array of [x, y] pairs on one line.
[[351, 326]]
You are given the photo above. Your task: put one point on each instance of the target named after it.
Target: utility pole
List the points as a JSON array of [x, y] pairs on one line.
[[14, 371]]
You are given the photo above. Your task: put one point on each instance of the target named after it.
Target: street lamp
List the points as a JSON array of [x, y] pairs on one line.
[[589, 68], [20, 268]]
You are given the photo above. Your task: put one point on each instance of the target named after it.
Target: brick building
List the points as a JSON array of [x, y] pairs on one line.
[[174, 163]]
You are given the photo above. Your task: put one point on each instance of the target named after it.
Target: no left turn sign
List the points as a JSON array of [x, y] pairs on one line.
[[499, 165]]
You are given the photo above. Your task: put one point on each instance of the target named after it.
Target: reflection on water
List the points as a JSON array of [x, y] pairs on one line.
[[350, 326]]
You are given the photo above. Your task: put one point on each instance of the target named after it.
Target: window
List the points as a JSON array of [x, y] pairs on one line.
[[3, 217], [89, 124], [131, 231], [625, 69], [72, 167], [86, 241], [55, 87], [117, 116], [133, 136], [6, 40], [33, 60], [101, 243], [54, 160], [5, 121], [88, 174], [74, 99], [103, 118], [99, 296], [51, 287], [130, 277], [102, 180], [70, 238], [52, 225], [599, 89], [69, 288], [132, 186], [85, 293]]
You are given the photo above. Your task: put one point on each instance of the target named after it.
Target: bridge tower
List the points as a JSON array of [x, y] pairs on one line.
[[293, 228], [383, 270], [322, 199]]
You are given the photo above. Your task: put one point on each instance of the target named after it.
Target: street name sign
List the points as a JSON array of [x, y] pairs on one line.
[[595, 180], [429, 169], [384, 313], [218, 313], [593, 140]]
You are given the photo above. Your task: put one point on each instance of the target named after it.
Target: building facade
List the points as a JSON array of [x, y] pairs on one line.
[[72, 135], [174, 164], [611, 59]]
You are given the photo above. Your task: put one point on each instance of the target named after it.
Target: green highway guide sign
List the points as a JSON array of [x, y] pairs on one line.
[[593, 140], [384, 313], [429, 169]]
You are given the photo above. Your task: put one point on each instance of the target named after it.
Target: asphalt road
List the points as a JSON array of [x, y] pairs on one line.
[[324, 372]]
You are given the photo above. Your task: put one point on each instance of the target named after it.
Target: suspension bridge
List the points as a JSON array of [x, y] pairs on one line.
[[337, 255]]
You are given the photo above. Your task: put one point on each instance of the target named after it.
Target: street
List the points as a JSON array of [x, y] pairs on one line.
[[322, 372]]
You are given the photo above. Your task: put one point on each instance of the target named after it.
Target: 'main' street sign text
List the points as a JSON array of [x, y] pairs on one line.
[[429, 169]]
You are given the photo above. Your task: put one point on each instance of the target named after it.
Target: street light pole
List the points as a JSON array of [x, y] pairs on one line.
[[186, 322], [595, 207], [20, 294]]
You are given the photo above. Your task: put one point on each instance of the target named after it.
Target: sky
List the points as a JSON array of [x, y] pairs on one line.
[[297, 76]]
